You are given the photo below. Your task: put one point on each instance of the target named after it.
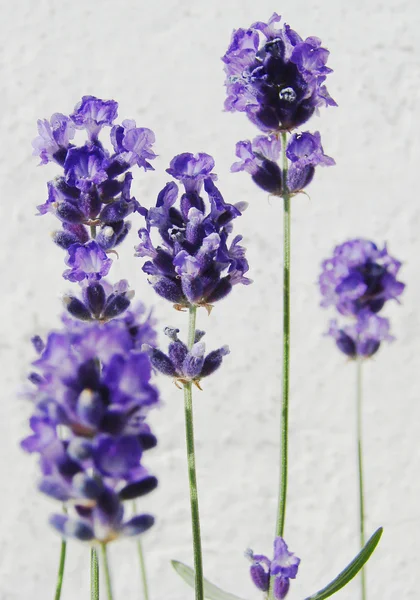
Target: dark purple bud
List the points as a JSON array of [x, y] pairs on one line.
[[346, 344], [281, 587], [147, 440], [111, 187], [38, 344], [177, 352], [106, 237], [161, 362], [71, 527], [192, 288], [88, 487], [260, 577], [167, 288], [120, 236], [90, 407], [65, 239], [269, 177], [172, 333], [221, 290], [138, 488], [67, 212], [115, 305], [116, 211], [193, 362], [199, 334], [138, 525], [95, 298], [76, 308], [299, 177], [213, 361], [35, 378], [368, 347]]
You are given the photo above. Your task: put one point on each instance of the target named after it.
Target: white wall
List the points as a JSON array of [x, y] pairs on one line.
[[160, 60]]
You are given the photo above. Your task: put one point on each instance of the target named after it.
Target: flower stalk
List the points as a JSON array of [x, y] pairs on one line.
[[61, 566], [192, 477], [360, 466], [106, 572], [94, 575], [281, 509]]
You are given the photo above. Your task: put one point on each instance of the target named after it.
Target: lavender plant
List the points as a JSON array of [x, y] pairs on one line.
[[91, 384], [358, 280]]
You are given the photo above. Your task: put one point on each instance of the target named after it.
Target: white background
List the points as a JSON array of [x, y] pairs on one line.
[[160, 60]]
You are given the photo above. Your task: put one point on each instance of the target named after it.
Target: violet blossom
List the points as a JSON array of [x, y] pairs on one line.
[[194, 263], [274, 76], [362, 337], [283, 567]]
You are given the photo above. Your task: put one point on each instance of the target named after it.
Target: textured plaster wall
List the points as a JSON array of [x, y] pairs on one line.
[[160, 60]]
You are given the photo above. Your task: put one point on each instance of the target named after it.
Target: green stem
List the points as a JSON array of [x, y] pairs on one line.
[[360, 465], [281, 509], [142, 563], [93, 231], [192, 477], [94, 575], [107, 572], [61, 570]]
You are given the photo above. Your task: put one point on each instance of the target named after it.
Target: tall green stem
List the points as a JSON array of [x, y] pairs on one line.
[[94, 575], [281, 509], [142, 563], [192, 477], [106, 572], [61, 570], [360, 465]]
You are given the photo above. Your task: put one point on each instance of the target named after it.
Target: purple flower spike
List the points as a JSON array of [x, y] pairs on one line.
[[283, 567], [193, 265], [192, 169], [305, 149], [87, 261], [275, 76], [359, 276], [54, 138], [92, 114]]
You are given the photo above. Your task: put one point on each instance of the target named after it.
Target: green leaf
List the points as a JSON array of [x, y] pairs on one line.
[[211, 591], [351, 570]]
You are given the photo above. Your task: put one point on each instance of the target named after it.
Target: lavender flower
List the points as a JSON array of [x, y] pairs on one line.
[[359, 276], [93, 192], [194, 265], [283, 567], [87, 261], [185, 365], [94, 380], [260, 158], [275, 76], [363, 337]]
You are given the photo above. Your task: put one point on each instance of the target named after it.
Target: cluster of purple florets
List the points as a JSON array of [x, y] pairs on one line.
[[193, 263], [282, 569], [91, 386], [277, 79], [92, 197], [358, 280]]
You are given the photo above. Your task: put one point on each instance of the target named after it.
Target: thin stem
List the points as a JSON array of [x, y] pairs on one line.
[[93, 231], [360, 465], [61, 570], [192, 477], [281, 509], [107, 572], [142, 563], [94, 575]]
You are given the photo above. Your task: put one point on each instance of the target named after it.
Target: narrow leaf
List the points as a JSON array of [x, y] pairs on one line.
[[351, 570], [211, 591]]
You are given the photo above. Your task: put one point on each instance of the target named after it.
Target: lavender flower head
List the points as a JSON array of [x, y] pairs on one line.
[[359, 276], [92, 196], [93, 382], [194, 264], [275, 76], [260, 159], [185, 365], [283, 567]]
